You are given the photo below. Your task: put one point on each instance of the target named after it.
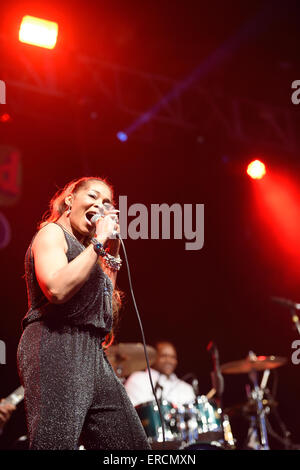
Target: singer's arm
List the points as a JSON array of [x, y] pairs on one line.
[[58, 279]]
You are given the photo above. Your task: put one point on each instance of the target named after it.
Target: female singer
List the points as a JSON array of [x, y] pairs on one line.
[[72, 394]]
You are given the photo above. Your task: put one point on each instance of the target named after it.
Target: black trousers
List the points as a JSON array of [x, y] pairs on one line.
[[72, 394]]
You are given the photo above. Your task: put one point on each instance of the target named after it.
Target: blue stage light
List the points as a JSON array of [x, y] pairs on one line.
[[122, 136]]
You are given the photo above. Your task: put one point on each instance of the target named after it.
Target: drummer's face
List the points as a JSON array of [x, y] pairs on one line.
[[166, 359]]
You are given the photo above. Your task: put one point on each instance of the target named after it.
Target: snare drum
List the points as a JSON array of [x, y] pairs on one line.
[[150, 418]]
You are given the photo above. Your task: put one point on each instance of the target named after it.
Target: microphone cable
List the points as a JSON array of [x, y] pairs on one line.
[[143, 337]]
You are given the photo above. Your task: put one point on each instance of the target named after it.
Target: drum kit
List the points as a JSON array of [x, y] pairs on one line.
[[203, 424]]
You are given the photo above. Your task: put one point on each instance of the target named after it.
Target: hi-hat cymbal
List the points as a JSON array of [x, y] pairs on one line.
[[127, 358], [259, 363]]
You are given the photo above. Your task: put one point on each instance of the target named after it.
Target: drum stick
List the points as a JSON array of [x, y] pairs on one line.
[[265, 379], [211, 393]]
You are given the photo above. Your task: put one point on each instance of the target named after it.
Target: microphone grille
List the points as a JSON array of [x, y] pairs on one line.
[[95, 218]]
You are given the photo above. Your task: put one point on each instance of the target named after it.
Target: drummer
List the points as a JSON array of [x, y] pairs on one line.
[[166, 384]]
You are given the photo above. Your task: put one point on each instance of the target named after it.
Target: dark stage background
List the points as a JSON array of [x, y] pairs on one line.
[[223, 291]]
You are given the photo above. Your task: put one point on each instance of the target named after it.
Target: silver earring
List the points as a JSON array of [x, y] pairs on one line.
[[69, 211]]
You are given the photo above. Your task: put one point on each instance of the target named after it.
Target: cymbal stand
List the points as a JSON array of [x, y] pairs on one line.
[[257, 395], [253, 439], [285, 439]]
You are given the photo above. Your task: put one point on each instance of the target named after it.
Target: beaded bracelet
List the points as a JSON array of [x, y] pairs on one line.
[[110, 261], [98, 247]]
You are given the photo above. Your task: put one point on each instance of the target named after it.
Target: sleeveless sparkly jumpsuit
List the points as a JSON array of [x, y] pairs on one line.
[[72, 395]]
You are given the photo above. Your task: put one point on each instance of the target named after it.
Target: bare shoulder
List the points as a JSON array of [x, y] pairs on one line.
[[48, 235]]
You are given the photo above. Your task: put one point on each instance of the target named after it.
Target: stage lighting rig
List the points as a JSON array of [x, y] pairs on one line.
[[38, 32], [256, 169]]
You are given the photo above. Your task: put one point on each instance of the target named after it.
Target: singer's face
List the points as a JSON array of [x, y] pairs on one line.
[[88, 201], [166, 359]]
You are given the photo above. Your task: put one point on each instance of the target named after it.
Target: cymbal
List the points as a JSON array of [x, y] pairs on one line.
[[127, 358], [260, 363]]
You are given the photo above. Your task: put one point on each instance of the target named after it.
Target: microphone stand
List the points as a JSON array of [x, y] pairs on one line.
[[218, 385], [294, 307], [216, 375], [158, 387], [286, 439]]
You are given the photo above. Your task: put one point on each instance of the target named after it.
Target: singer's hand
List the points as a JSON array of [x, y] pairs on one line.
[[113, 244], [105, 228]]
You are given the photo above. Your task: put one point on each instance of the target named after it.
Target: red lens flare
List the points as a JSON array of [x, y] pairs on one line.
[[5, 117]]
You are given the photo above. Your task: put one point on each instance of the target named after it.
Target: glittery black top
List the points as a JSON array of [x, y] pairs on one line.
[[90, 306]]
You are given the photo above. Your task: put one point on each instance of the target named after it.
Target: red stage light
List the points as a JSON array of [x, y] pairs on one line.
[[5, 117], [38, 32], [256, 169]]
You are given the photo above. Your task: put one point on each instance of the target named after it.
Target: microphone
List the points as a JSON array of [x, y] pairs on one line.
[[212, 348], [293, 306], [158, 387], [195, 385], [98, 216]]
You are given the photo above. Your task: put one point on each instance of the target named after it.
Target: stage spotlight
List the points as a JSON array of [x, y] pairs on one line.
[[38, 32], [256, 169], [122, 136], [5, 117]]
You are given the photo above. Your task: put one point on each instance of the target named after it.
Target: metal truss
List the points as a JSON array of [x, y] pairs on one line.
[[141, 96]]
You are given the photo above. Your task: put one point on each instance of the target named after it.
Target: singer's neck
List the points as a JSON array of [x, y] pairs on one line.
[[65, 222]]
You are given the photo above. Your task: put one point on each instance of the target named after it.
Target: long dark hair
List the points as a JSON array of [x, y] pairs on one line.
[[57, 207]]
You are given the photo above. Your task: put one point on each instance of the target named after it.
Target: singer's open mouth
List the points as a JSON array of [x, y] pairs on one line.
[[88, 216]]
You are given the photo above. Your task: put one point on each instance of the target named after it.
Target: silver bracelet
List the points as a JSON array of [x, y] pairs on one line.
[[113, 263], [110, 261]]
